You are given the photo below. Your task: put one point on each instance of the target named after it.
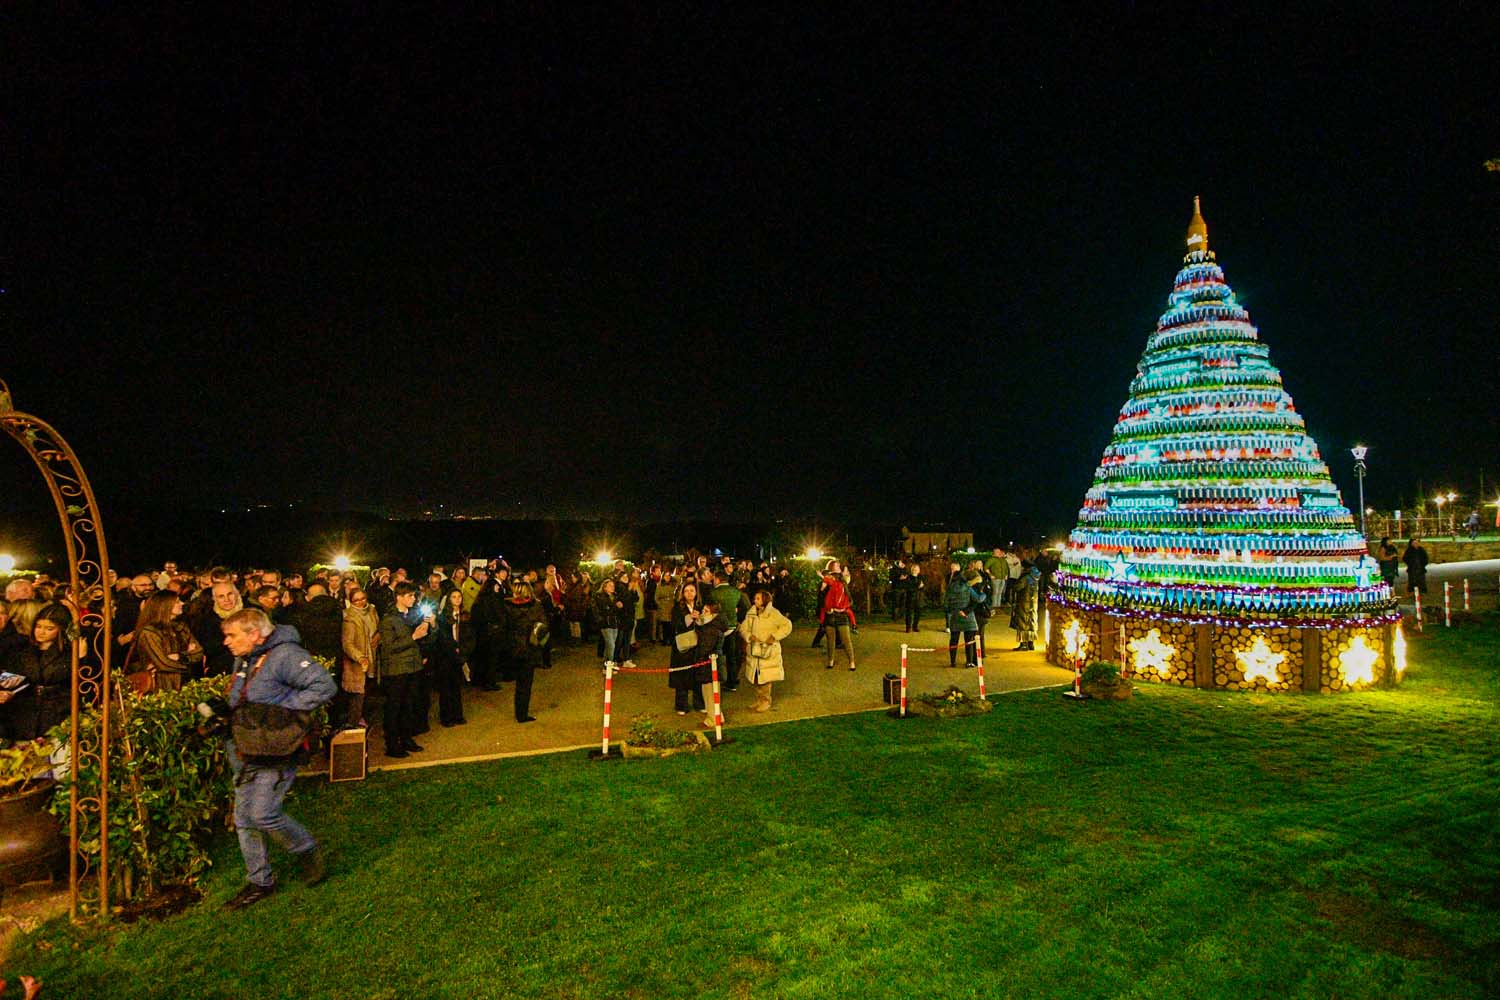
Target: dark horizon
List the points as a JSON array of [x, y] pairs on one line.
[[729, 268]]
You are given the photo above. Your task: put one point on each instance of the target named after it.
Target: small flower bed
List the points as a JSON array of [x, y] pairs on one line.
[[950, 703], [646, 738]]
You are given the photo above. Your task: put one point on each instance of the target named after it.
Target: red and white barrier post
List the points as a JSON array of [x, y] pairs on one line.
[[1120, 652], [1447, 605], [1466, 595], [1417, 595], [609, 685], [903, 680], [979, 666], [713, 660]]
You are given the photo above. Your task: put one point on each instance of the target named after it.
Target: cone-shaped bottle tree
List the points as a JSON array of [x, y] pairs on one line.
[[1211, 503]]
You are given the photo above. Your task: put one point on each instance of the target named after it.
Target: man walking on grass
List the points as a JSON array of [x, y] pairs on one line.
[[275, 687]]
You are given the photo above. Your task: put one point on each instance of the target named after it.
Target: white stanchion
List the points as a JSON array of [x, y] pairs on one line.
[[713, 660], [609, 684], [1466, 595], [979, 666], [903, 680], [1417, 595], [1447, 605]]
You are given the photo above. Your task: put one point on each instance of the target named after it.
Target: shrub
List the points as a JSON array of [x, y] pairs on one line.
[[170, 798], [23, 764], [167, 801], [1102, 672]]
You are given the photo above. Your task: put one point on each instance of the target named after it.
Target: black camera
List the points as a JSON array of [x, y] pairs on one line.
[[213, 717]]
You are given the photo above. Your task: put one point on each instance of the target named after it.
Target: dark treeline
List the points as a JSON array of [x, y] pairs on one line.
[[293, 537]]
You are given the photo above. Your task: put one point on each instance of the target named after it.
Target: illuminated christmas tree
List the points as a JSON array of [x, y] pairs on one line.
[[1213, 549]]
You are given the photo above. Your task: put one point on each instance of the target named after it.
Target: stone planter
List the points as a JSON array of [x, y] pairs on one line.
[[32, 846], [1121, 691], [963, 709], [700, 744]]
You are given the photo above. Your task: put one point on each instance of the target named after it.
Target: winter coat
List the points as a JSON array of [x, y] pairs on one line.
[[666, 596], [153, 648], [1024, 618], [320, 623], [731, 601], [834, 597], [709, 633], [607, 614], [208, 628], [685, 680], [765, 626], [359, 635], [288, 677], [960, 602], [48, 700], [488, 618], [449, 649], [576, 601], [521, 618], [399, 651]]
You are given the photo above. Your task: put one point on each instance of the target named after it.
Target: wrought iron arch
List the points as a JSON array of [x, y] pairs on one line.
[[88, 568]]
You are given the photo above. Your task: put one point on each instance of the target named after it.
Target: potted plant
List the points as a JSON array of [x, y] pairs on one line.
[[647, 739], [31, 844], [1102, 679]]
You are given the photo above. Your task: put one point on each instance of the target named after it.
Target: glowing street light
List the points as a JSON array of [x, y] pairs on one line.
[[7, 562], [813, 553], [603, 558], [342, 563], [1359, 452]]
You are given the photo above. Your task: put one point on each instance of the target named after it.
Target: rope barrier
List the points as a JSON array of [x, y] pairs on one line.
[[610, 669], [658, 670]]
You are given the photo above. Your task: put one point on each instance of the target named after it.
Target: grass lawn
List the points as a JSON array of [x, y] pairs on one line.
[[1183, 844]]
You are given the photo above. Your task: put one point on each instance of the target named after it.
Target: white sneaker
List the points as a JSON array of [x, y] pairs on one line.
[[628, 664]]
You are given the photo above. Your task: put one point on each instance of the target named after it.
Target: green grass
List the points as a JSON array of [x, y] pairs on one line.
[[1180, 844]]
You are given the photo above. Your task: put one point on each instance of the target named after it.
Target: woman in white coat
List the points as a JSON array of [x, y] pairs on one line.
[[762, 630]]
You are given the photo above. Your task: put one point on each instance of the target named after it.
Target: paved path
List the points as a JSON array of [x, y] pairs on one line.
[[567, 700]]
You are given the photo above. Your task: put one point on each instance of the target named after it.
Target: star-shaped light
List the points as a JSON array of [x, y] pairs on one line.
[[1148, 454], [1358, 662], [1119, 569], [1259, 662], [1075, 640], [1150, 653]]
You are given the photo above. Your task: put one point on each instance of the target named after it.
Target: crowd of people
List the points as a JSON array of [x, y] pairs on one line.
[[426, 640]]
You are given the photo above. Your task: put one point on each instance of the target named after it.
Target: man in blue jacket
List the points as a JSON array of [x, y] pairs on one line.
[[275, 680]]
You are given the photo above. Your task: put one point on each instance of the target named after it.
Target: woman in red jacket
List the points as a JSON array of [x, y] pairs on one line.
[[836, 613]]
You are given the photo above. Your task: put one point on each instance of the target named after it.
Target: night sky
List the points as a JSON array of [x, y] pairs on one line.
[[690, 265]]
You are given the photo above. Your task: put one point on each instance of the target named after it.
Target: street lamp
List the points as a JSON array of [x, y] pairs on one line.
[[1359, 452]]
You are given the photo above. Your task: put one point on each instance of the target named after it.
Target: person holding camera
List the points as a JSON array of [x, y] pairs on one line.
[[275, 687], [402, 630]]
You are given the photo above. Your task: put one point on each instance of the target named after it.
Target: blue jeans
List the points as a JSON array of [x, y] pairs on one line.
[[258, 792], [611, 639]]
